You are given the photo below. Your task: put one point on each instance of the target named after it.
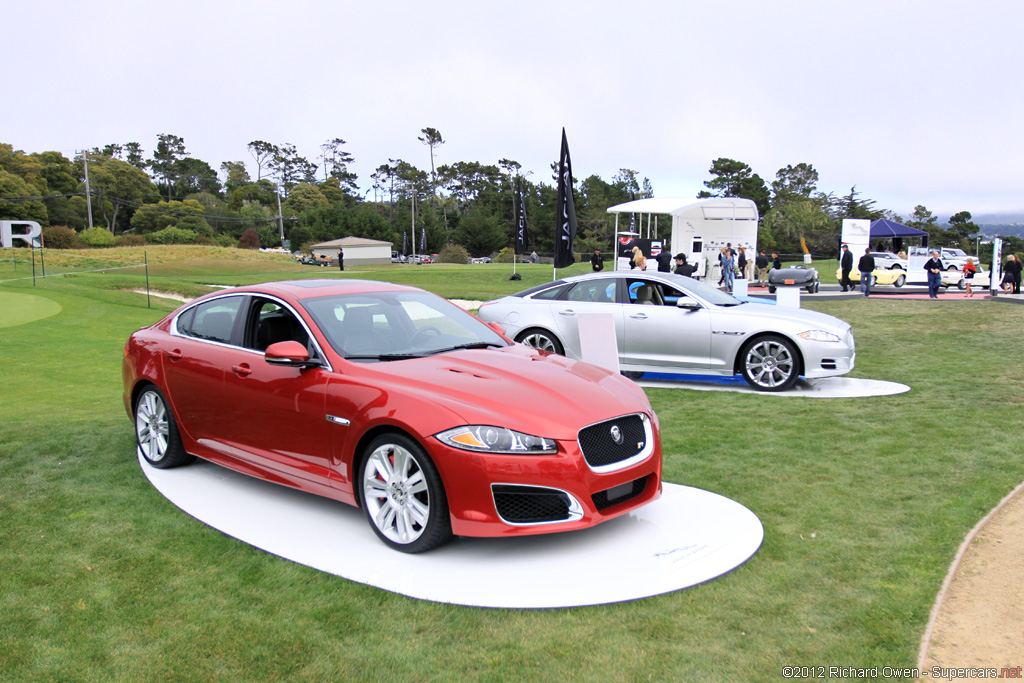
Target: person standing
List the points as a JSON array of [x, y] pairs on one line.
[[741, 262], [1017, 267], [596, 263], [933, 267], [969, 270], [866, 266], [762, 269], [341, 259], [846, 264], [664, 259], [682, 267], [776, 261], [728, 268], [639, 260]]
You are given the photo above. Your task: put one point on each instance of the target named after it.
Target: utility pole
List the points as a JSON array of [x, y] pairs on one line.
[[88, 193]]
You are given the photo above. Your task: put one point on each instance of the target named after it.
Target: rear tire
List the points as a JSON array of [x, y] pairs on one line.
[[901, 280], [156, 431]]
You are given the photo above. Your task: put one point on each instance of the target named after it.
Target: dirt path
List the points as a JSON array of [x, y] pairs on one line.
[[980, 621]]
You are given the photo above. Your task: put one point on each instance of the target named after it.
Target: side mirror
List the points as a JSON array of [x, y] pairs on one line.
[[290, 354], [688, 305]]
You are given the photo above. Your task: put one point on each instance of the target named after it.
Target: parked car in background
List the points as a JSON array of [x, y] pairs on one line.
[[396, 401], [670, 323], [954, 259], [882, 276], [889, 260], [982, 278], [794, 276]]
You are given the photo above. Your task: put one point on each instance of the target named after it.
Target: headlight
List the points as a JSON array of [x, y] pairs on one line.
[[819, 335], [487, 439]]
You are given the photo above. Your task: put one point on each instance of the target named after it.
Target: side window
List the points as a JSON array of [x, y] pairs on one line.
[[212, 320], [600, 291], [271, 323], [645, 293], [672, 296], [548, 294]]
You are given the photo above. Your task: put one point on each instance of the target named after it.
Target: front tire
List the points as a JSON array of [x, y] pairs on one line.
[[403, 496], [901, 280], [541, 339], [770, 364], [156, 431]]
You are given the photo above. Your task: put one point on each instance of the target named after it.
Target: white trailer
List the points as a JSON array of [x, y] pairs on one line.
[[698, 229]]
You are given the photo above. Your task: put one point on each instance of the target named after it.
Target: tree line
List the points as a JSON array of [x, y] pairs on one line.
[[173, 197]]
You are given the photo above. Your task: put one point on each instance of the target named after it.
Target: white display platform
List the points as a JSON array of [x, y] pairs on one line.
[[788, 297], [826, 387], [686, 537]]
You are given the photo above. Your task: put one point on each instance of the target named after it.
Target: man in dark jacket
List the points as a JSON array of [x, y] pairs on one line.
[[934, 268], [762, 269], [682, 267], [866, 266], [596, 262], [846, 263], [664, 259]]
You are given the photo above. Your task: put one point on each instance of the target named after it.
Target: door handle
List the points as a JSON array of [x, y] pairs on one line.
[[242, 369], [639, 316], [175, 354], [567, 311]]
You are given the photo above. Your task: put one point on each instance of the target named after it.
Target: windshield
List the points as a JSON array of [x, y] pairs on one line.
[[397, 325], [710, 294]]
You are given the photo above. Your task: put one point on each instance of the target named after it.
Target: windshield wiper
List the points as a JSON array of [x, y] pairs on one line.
[[386, 356], [470, 345]]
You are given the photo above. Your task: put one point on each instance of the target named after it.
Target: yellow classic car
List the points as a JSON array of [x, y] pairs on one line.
[[895, 277]]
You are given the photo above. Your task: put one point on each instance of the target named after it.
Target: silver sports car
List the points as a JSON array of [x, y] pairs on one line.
[[666, 323]]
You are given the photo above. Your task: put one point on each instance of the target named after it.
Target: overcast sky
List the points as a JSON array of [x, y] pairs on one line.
[[912, 102]]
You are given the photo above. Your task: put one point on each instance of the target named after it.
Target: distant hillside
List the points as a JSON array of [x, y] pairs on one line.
[[1001, 229]]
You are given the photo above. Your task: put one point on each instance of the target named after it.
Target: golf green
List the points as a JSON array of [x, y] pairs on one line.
[[18, 309]]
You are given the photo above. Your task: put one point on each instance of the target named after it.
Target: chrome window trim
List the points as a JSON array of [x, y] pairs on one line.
[[175, 332]]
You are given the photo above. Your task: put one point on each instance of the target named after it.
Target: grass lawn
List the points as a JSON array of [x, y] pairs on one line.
[[864, 502]]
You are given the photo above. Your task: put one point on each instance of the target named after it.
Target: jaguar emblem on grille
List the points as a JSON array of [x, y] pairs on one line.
[[616, 435]]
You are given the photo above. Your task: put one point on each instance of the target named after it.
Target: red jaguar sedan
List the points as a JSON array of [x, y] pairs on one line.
[[395, 400]]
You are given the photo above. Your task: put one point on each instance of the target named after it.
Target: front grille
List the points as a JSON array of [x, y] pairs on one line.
[[619, 494], [530, 504], [599, 445]]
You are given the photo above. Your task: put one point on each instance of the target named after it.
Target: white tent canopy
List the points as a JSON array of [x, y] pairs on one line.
[[699, 229]]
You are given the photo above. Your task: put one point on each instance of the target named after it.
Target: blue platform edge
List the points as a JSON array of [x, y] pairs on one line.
[[709, 379]]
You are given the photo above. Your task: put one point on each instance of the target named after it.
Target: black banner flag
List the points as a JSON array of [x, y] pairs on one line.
[[565, 230]]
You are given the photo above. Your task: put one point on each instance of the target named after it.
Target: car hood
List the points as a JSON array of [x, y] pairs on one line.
[[797, 317], [516, 387]]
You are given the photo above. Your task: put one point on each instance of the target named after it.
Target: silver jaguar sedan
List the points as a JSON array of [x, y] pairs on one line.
[[666, 323]]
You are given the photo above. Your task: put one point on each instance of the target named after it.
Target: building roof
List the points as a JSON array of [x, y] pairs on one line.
[[350, 242]]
